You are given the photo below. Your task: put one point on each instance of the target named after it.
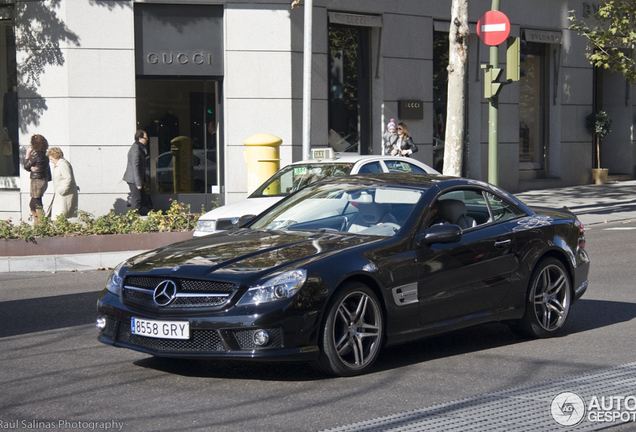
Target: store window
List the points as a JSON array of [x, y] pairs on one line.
[[181, 121], [349, 81], [179, 68], [533, 108], [9, 152]]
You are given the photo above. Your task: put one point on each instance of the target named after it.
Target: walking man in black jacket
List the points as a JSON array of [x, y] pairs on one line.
[[136, 172]]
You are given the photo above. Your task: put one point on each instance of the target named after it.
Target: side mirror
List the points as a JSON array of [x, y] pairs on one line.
[[440, 234], [243, 220]]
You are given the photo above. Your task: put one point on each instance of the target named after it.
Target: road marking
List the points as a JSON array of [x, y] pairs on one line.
[[519, 409], [620, 229]]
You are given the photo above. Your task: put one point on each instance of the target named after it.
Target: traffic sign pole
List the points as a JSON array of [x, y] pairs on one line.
[[493, 117], [493, 28], [493, 124]]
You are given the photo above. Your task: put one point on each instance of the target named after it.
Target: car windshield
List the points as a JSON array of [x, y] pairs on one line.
[[350, 208], [295, 177]]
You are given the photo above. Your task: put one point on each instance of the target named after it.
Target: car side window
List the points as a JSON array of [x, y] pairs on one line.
[[370, 168], [403, 167], [466, 208], [501, 210]]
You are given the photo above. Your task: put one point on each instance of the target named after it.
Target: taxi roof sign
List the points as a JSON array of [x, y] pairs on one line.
[[322, 153]]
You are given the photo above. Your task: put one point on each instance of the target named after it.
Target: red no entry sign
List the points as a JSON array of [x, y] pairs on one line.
[[493, 28]]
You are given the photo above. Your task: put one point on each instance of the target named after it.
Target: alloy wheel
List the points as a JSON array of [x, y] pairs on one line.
[[551, 297]]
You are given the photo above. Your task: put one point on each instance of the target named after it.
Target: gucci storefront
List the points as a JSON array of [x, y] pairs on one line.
[[203, 76], [179, 71]]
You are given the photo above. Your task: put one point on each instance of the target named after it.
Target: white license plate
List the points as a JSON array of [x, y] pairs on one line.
[[160, 329]]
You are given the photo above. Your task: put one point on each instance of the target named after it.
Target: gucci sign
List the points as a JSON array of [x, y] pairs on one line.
[[411, 110]]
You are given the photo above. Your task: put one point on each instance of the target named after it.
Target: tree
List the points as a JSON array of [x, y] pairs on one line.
[[611, 33], [598, 124], [455, 111]]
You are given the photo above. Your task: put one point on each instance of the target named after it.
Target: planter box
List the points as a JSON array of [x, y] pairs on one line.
[[599, 175], [90, 244]]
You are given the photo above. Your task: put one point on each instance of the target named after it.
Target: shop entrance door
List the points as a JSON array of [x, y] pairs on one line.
[[181, 117]]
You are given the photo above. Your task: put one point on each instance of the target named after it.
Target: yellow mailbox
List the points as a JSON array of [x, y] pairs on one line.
[[263, 158]]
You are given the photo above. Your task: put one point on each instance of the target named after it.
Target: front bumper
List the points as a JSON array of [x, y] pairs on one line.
[[219, 334]]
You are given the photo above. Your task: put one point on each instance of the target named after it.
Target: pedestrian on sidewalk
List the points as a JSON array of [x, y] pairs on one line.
[[135, 174], [404, 145], [389, 138], [37, 164], [64, 186]]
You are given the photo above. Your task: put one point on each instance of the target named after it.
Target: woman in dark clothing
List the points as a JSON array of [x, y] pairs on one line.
[[404, 146], [37, 163]]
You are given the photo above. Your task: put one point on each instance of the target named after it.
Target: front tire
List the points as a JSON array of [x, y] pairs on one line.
[[548, 302], [352, 332]]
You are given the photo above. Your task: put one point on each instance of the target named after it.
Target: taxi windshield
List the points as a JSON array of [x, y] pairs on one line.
[[295, 177]]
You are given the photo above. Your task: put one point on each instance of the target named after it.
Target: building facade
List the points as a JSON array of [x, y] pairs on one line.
[[202, 76]]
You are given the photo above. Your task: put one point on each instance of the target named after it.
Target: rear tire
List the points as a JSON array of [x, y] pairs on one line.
[[352, 333], [548, 300]]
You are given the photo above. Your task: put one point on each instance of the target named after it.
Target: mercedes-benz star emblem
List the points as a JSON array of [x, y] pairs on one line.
[[165, 293]]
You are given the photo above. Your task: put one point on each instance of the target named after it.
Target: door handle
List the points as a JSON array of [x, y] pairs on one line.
[[502, 243]]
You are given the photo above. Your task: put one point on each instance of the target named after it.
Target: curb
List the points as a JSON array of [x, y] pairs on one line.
[[69, 262]]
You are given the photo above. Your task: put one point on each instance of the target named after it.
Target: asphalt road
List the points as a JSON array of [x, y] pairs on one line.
[[53, 372]]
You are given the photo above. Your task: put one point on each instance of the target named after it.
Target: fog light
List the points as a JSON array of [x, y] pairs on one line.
[[260, 337], [101, 323]]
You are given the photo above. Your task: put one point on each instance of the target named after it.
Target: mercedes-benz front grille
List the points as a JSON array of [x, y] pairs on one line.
[[189, 294]]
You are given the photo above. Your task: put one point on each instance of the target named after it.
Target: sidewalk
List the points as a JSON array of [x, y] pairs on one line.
[[593, 204]]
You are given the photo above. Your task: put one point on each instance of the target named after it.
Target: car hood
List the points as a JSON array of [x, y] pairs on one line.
[[249, 206], [243, 252]]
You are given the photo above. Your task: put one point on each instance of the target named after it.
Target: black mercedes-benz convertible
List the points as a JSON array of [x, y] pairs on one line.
[[347, 266]]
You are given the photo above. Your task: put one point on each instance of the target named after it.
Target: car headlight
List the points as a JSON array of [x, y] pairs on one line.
[[116, 280], [283, 286], [206, 225]]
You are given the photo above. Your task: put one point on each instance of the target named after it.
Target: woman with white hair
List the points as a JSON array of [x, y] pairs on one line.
[[65, 196]]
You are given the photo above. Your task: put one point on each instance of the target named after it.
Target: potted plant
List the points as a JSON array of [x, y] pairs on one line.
[[599, 124]]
